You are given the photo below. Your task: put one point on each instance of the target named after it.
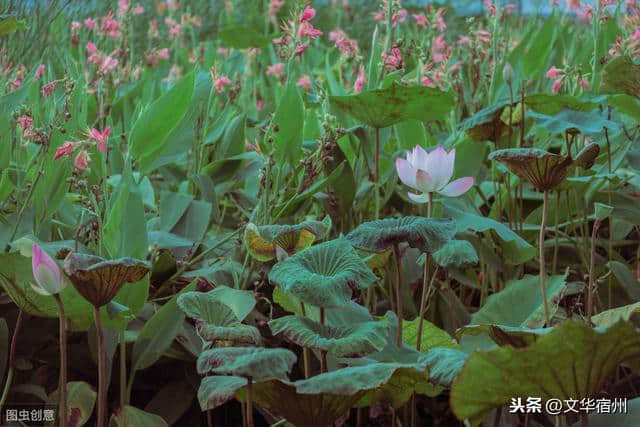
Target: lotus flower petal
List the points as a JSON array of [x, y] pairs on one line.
[[457, 187], [406, 171], [46, 272], [424, 182], [439, 167], [419, 198]]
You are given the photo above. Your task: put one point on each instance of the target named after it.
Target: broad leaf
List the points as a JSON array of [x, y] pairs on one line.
[[612, 316], [456, 253], [130, 416], [571, 362], [396, 103], [215, 391], [322, 275], [347, 341], [257, 363], [587, 123], [81, 398], [288, 124], [425, 234], [444, 364]]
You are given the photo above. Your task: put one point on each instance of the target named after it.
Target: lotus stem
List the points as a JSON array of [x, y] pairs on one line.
[[396, 254], [556, 236], [592, 266], [323, 354], [101, 368], [425, 283], [12, 355], [249, 403], [63, 362], [123, 369], [543, 273], [376, 173]]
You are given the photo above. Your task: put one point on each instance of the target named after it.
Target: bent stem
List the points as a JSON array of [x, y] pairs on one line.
[[396, 254], [543, 274], [592, 266], [63, 362], [101, 368]]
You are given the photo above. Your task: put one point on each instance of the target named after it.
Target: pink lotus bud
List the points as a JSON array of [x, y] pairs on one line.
[[49, 278]]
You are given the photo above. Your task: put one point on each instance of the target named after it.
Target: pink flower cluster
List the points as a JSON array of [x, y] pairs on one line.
[[393, 59], [560, 77], [104, 62], [347, 46], [83, 158], [398, 17]]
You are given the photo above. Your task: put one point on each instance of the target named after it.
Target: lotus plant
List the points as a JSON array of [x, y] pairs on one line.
[[430, 173], [51, 282], [98, 281]]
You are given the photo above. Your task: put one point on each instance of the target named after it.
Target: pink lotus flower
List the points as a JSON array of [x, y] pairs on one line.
[[221, 82], [100, 137], [82, 160], [305, 83], [49, 277], [66, 149], [431, 173], [39, 71], [275, 69], [90, 23], [553, 72], [360, 81]]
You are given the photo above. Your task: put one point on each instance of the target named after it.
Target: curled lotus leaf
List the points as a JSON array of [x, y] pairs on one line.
[[256, 363], [357, 339], [261, 241], [98, 280], [455, 253], [324, 274], [237, 333], [220, 306], [544, 170], [425, 234], [216, 390], [486, 124]]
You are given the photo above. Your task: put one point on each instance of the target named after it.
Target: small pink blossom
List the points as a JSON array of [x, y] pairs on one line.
[[393, 59], [66, 149], [584, 83], [553, 72], [82, 160], [48, 88], [426, 81], [360, 81], [100, 137], [107, 64], [123, 7], [25, 122], [39, 71], [305, 83], [275, 69], [90, 23], [221, 82], [301, 48], [163, 53], [260, 105], [308, 30], [308, 14], [421, 20], [91, 48], [555, 88], [75, 26], [137, 10]]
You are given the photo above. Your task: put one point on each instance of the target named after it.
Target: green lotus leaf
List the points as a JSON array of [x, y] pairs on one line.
[[543, 169], [347, 341], [99, 280], [571, 362], [514, 336], [206, 307], [456, 253], [237, 333], [375, 260], [432, 336], [486, 124], [380, 108], [610, 317], [567, 120], [323, 275], [256, 363], [444, 364], [519, 304], [220, 306], [261, 241], [425, 234], [130, 416], [622, 76], [215, 391], [551, 104], [16, 277]]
